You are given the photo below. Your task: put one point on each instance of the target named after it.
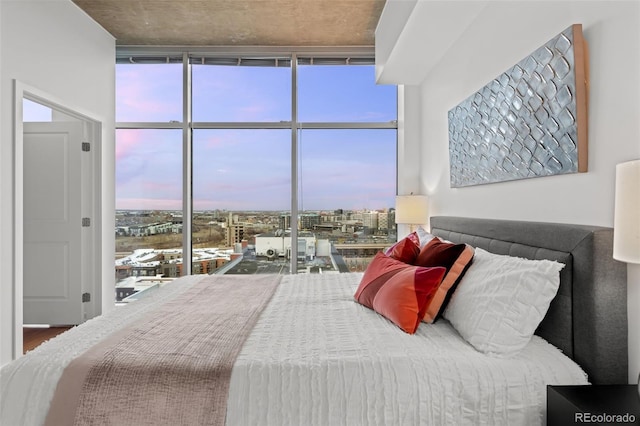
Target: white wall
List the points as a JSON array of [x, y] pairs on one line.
[[54, 47], [500, 35], [612, 31]]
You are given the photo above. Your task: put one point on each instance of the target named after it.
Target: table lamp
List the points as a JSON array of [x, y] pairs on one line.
[[411, 210]]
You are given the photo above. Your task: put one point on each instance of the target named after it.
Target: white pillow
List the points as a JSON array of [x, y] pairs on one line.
[[424, 236], [500, 301]]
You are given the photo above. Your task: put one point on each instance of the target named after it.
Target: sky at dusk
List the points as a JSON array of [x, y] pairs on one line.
[[249, 169]]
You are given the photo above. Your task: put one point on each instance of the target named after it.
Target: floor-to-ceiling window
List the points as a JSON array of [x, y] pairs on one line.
[[346, 158], [251, 163]]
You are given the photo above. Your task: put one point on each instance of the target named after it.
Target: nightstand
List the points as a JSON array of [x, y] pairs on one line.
[[593, 405]]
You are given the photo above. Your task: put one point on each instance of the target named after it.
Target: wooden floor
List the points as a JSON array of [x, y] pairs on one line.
[[33, 337]]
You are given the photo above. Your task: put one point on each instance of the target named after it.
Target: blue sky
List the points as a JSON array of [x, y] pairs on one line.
[[250, 169]]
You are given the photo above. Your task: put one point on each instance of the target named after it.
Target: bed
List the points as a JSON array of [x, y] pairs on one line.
[[311, 355]]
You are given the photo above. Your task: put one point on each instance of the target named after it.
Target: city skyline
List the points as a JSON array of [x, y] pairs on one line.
[[282, 211]]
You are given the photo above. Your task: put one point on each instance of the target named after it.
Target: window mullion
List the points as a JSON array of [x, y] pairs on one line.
[[187, 164], [294, 165], [149, 125], [241, 125], [348, 125]]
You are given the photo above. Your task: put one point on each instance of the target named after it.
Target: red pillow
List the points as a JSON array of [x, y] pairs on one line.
[[399, 292], [456, 258], [406, 250]]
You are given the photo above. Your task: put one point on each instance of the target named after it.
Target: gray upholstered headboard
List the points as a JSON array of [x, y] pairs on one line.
[[587, 319]]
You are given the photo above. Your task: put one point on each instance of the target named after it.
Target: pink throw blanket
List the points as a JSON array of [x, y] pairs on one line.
[[172, 368]]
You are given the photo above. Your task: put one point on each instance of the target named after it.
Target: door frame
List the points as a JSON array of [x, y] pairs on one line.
[[93, 130]]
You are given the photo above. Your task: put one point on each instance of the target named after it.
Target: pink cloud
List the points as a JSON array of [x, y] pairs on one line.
[[213, 142], [143, 93], [148, 204], [127, 141]]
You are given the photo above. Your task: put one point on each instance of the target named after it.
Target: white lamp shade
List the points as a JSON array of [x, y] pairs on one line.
[[411, 209], [626, 234]]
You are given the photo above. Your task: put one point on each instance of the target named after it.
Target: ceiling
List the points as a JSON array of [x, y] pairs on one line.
[[237, 22]]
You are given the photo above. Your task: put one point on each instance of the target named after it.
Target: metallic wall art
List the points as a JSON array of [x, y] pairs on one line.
[[530, 121]]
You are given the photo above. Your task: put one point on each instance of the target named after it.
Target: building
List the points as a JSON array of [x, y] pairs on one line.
[[284, 222], [383, 221], [278, 244], [370, 221], [150, 229], [169, 263], [235, 230], [308, 221], [235, 233]]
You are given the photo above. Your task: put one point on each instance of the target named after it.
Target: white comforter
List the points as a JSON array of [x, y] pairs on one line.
[[316, 357]]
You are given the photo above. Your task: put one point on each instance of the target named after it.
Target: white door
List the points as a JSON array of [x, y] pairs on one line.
[[52, 223]]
